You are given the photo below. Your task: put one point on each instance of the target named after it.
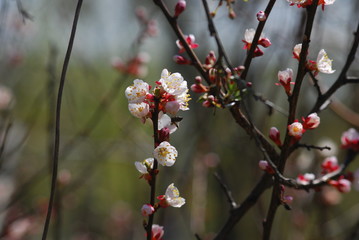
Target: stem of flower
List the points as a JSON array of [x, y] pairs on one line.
[[154, 170]]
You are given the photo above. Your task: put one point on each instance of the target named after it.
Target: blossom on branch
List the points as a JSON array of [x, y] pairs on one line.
[[180, 7], [165, 154], [330, 164], [324, 64], [171, 198], [305, 3], [190, 39], [264, 165], [137, 92], [274, 135], [157, 232], [350, 139], [248, 40], [147, 209], [342, 185], [139, 110], [285, 79], [306, 178], [311, 122], [295, 130]]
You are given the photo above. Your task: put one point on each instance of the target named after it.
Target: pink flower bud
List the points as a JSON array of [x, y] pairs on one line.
[[181, 60], [199, 88], [330, 164], [261, 16], [306, 178], [147, 209], [344, 185], [198, 79], [274, 135], [311, 122], [265, 42], [295, 130], [350, 139], [212, 74], [264, 165], [172, 107], [157, 232], [287, 199], [180, 7]]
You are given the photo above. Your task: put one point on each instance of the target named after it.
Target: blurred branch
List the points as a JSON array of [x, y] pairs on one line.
[[24, 13], [58, 117], [226, 190], [310, 147], [342, 78], [213, 32]]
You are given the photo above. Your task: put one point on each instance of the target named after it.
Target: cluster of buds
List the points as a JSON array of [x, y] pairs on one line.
[[296, 129], [305, 3], [350, 139], [248, 40], [323, 64]]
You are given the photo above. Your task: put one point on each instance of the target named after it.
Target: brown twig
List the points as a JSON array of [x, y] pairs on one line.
[[58, 117], [293, 100], [260, 27], [226, 191]]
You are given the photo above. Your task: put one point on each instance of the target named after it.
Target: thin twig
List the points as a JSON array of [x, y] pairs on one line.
[[260, 27], [58, 117], [226, 191], [213, 32], [309, 147]]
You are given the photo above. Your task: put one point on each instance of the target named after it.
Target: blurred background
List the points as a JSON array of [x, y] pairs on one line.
[[100, 193]]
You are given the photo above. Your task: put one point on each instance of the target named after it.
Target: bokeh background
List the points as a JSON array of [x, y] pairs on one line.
[[100, 193]]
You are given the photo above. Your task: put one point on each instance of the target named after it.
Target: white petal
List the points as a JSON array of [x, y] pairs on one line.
[[324, 64], [139, 110]]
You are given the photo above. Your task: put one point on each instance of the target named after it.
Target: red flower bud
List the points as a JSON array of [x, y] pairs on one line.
[[180, 7]]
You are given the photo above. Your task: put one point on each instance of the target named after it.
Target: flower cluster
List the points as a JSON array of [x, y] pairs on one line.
[[171, 94], [323, 64], [160, 104], [248, 40]]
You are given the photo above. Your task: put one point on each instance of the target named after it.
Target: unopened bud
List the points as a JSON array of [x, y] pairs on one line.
[[261, 16], [181, 60], [180, 7]]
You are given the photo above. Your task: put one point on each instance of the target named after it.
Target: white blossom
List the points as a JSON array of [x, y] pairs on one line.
[[144, 165], [324, 64], [173, 198], [139, 110], [174, 83], [137, 92], [165, 154]]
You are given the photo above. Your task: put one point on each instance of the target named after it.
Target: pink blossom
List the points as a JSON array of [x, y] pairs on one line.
[[147, 209], [350, 139], [306, 178], [311, 122], [190, 39], [295, 130], [330, 164], [157, 232], [285, 79], [274, 135], [261, 16]]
